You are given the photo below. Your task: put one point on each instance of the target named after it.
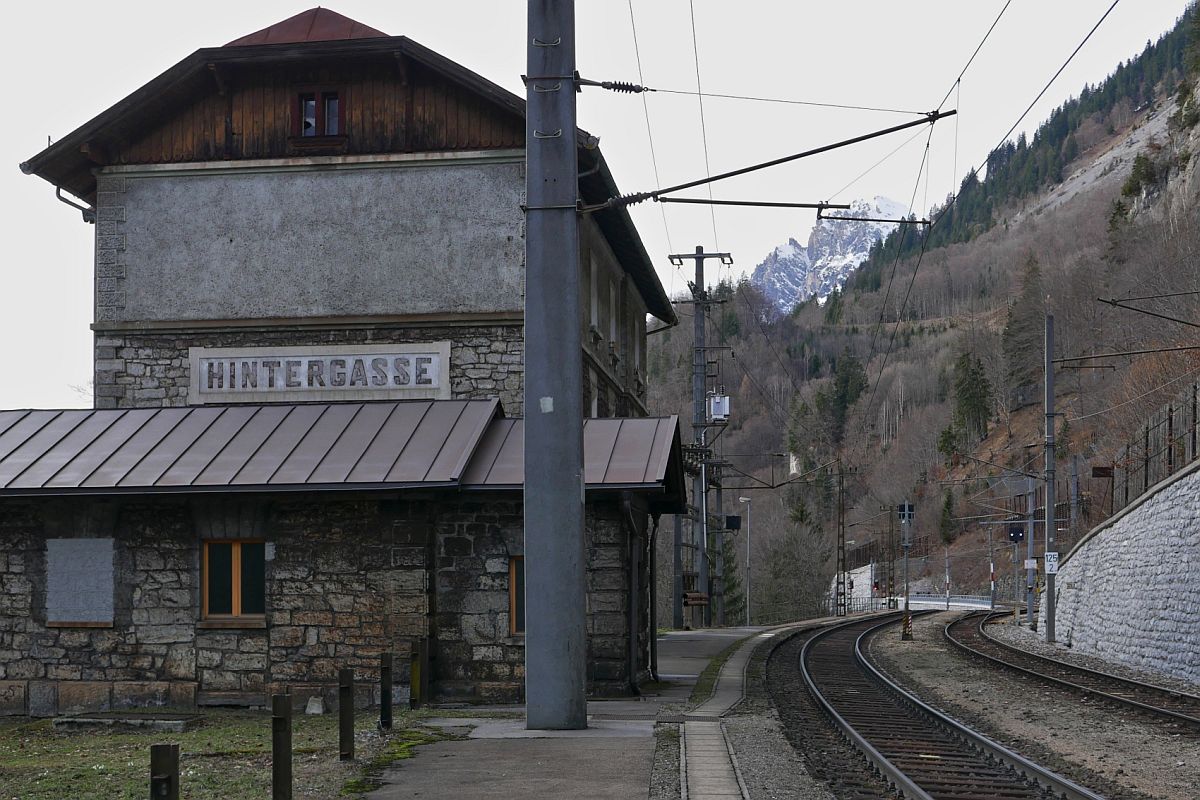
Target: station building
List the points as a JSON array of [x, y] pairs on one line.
[[306, 447]]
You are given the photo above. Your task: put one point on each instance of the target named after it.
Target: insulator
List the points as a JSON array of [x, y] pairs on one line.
[[623, 86]]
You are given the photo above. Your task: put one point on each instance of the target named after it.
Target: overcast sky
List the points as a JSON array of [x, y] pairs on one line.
[[67, 61]]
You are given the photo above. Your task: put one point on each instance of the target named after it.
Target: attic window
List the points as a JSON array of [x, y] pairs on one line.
[[320, 114]]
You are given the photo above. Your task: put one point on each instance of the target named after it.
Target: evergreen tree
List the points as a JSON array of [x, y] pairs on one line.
[[946, 525]]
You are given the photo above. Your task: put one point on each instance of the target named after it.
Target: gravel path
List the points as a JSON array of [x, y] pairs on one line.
[[1022, 637], [770, 766], [1111, 750]]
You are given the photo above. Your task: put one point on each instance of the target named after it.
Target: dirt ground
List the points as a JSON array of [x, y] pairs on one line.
[[1121, 753]]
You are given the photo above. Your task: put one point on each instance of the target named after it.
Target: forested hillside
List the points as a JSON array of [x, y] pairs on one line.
[[930, 361]]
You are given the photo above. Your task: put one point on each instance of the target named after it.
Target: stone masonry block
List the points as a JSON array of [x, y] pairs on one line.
[[12, 698], [111, 213], [110, 183], [77, 697], [111, 242], [43, 698], [110, 299]]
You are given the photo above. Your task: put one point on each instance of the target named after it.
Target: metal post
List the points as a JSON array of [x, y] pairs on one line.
[[719, 548], [841, 541], [385, 691], [946, 548], [1016, 585], [1051, 512], [699, 418], [906, 544], [1030, 572], [555, 579], [702, 494], [749, 573], [281, 747], [164, 772], [346, 714], [991, 572], [677, 577]]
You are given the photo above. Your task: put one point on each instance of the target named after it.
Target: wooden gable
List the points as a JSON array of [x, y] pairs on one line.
[[389, 106]]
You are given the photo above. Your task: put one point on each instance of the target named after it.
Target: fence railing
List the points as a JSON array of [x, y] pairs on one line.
[[1165, 444]]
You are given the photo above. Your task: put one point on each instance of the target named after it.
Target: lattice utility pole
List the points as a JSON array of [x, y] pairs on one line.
[[701, 301]]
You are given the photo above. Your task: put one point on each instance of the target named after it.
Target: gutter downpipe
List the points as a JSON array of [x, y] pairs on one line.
[[89, 213], [634, 570], [653, 633]]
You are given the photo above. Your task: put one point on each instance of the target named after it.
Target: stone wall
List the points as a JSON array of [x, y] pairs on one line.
[[1128, 592], [347, 578], [136, 369], [478, 658]]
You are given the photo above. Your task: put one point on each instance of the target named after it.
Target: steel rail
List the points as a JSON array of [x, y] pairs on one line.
[[890, 771], [1052, 781], [907, 785], [1137, 686]]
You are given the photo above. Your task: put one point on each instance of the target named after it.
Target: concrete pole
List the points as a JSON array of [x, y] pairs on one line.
[[1051, 514], [555, 580], [1030, 572], [704, 578]]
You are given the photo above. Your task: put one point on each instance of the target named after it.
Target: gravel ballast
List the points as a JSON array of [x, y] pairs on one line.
[[1112, 750]]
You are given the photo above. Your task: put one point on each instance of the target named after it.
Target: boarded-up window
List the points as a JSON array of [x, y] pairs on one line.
[[79, 582]]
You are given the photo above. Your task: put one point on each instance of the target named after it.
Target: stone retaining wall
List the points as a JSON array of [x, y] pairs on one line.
[[1128, 590]]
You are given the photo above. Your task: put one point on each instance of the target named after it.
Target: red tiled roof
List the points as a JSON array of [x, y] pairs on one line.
[[315, 25]]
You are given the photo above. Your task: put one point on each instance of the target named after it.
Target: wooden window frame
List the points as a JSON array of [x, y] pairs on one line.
[[235, 619], [512, 595], [319, 95]]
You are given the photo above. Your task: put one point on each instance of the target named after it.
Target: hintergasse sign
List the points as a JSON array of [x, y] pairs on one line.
[[294, 374]]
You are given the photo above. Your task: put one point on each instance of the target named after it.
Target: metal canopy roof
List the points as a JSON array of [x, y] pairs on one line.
[[267, 447], [463, 444], [618, 454]]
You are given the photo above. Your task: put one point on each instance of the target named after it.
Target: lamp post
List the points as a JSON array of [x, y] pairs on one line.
[[746, 500]]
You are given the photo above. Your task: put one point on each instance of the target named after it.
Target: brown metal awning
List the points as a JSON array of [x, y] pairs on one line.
[[619, 454], [319, 446]]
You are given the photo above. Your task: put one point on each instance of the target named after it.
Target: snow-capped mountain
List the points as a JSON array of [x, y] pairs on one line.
[[792, 272]]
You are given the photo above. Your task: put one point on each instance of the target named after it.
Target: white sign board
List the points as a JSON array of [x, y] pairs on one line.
[[295, 374], [1031, 563], [1051, 563]]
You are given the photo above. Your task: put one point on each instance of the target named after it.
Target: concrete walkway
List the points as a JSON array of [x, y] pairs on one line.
[[612, 758], [711, 766]]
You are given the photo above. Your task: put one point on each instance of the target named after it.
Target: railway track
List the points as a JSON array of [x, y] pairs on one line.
[[968, 633], [922, 753]]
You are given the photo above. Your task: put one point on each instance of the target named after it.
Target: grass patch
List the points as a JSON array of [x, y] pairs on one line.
[[708, 678], [226, 756]]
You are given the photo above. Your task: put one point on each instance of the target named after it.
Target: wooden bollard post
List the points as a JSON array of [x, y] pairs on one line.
[[164, 772], [418, 681], [385, 691], [281, 747], [346, 714]]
